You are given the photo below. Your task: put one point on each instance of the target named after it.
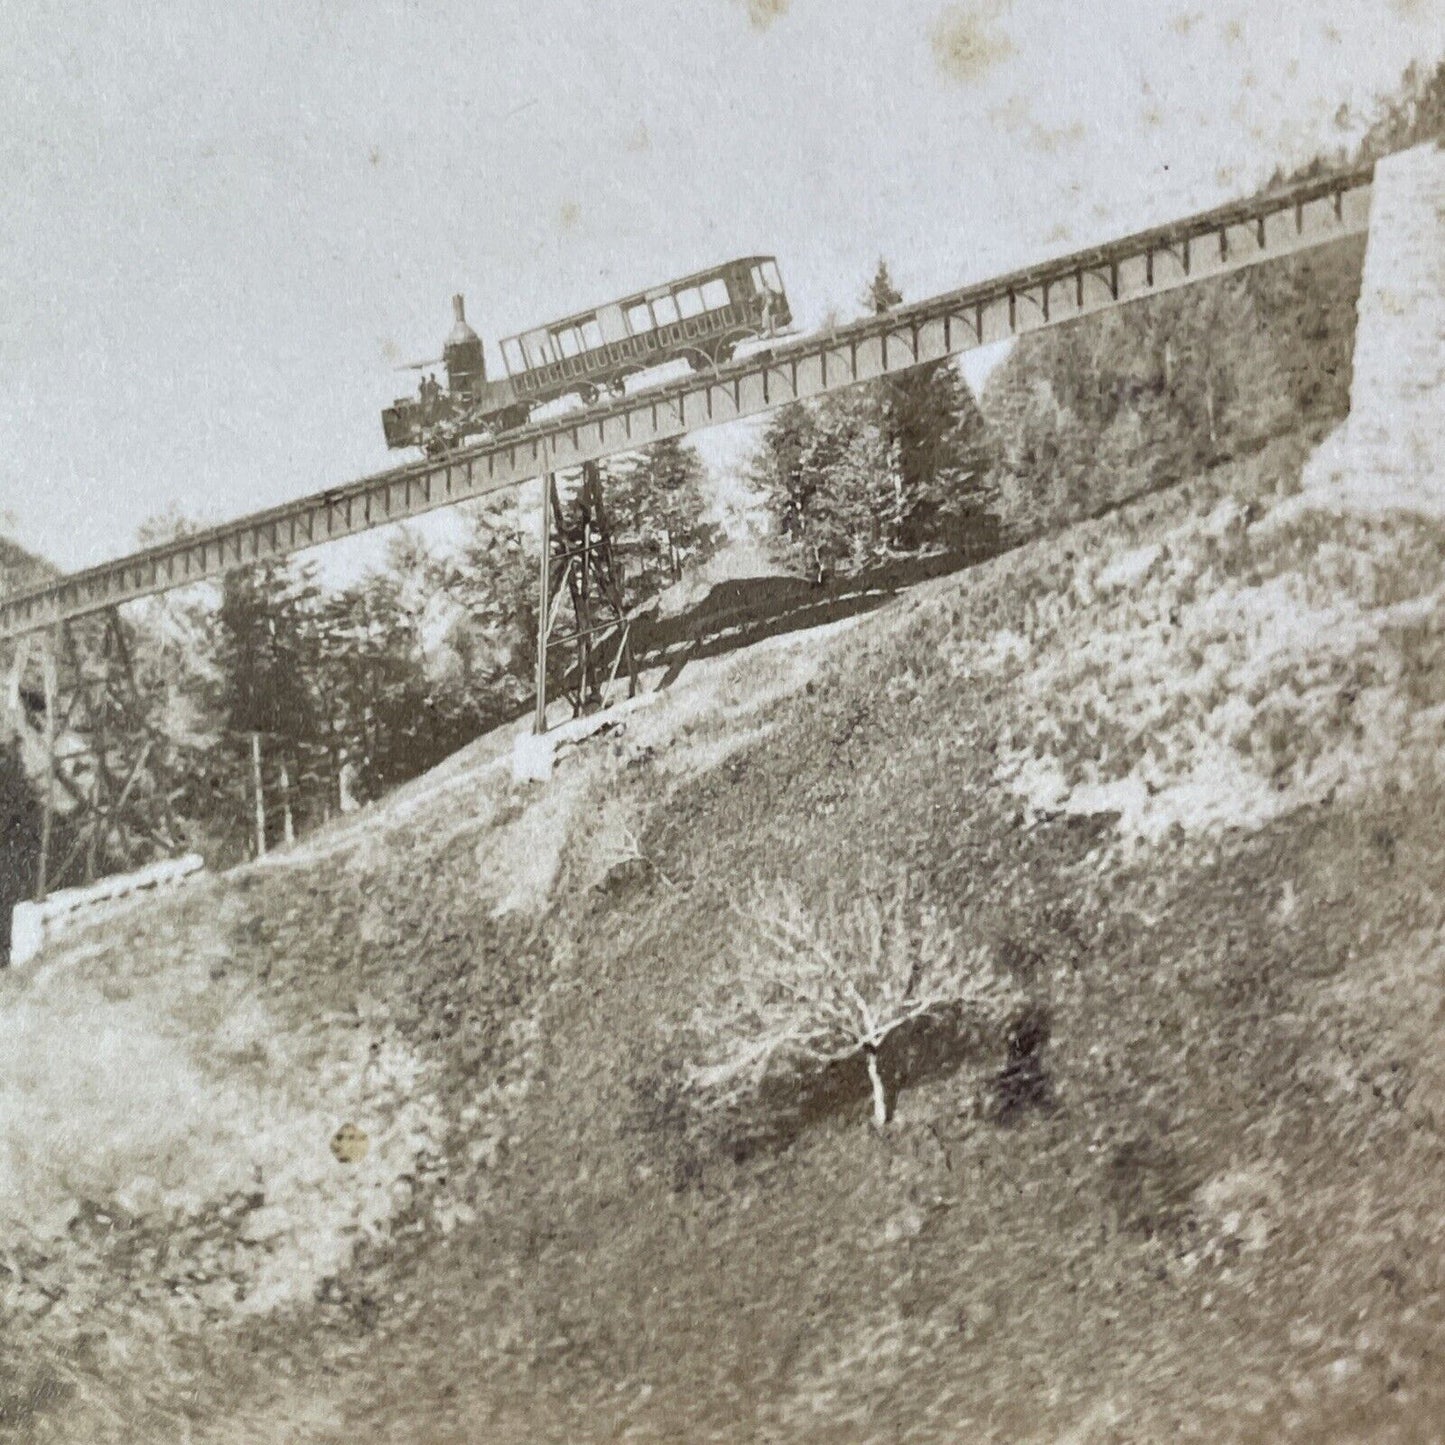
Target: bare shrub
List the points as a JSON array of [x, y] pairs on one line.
[[818, 988]]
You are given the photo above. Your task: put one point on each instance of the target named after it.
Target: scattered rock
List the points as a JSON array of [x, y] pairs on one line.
[[625, 876], [1343, 1369], [906, 1224], [486, 1152], [1023, 1083], [1148, 1185], [265, 1224], [55, 1223]]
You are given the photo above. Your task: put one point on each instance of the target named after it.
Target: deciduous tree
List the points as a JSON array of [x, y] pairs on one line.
[[814, 988]]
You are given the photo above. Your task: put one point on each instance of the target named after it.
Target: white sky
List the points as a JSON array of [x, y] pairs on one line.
[[223, 225]]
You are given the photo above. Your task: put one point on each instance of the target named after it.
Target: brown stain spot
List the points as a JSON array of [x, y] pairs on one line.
[[349, 1144], [570, 216], [1049, 141], [967, 41], [639, 139], [762, 13], [1152, 116], [1225, 175], [1059, 233], [390, 352], [1014, 116], [1184, 22], [1234, 31], [1333, 35], [1408, 9], [374, 155]]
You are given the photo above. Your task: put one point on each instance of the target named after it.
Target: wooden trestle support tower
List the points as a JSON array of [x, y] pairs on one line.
[[90, 732], [580, 562]]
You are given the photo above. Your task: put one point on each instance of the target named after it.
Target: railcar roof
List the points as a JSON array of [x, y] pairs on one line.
[[634, 296]]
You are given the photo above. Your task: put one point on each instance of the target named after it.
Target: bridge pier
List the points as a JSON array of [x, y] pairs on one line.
[[1390, 453], [579, 564], [91, 745]]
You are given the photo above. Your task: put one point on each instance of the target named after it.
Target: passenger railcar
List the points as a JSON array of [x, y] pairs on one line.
[[699, 318]]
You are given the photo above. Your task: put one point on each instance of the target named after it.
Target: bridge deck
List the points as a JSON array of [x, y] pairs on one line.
[[1204, 245]]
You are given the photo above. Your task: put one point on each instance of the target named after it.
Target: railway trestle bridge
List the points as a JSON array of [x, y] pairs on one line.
[[48, 631]]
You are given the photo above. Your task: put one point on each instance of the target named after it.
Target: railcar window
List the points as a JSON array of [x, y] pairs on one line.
[[639, 319], [512, 355], [539, 348], [715, 293], [591, 335], [690, 302], [665, 310], [772, 276], [569, 339]]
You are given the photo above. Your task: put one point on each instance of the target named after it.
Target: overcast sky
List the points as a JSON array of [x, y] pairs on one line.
[[223, 225]]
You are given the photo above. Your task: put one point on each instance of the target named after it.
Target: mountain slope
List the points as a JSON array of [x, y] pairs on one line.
[[1176, 770]]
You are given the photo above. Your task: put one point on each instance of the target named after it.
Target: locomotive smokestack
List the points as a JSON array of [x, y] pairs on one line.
[[465, 361]]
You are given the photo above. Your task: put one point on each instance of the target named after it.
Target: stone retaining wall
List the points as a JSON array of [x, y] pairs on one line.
[[1390, 454], [32, 925]]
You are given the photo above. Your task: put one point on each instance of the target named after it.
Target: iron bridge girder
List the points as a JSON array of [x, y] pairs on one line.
[[1148, 263]]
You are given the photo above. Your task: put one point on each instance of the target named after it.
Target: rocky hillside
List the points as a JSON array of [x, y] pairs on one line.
[[398, 1137]]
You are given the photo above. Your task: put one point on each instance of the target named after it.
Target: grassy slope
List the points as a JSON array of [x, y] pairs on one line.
[[1213, 1213]]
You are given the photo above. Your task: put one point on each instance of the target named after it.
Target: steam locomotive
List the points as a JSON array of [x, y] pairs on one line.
[[700, 318]]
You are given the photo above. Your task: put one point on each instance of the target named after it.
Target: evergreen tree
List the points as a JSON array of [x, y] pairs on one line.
[[264, 649], [496, 585], [394, 715], [780, 469], [831, 474], [933, 420], [267, 658], [858, 516], [881, 294], [1101, 408], [1414, 113], [890, 468], [658, 511]]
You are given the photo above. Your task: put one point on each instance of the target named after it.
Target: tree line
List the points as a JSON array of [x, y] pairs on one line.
[[1081, 415], [893, 468], [317, 698], [331, 696], [1088, 413]]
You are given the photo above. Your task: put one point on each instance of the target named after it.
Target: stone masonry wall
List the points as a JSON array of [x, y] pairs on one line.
[[1390, 454]]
